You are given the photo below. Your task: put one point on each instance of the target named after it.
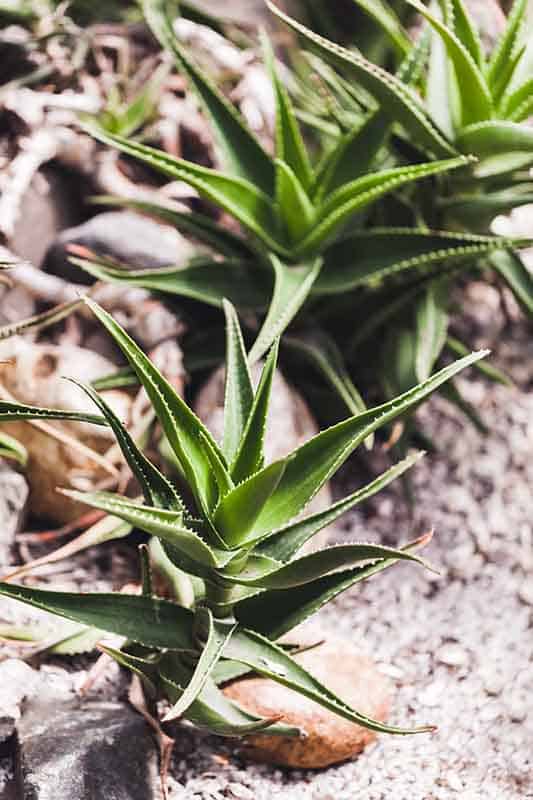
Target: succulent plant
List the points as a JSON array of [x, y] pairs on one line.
[[237, 539], [480, 103], [304, 257]]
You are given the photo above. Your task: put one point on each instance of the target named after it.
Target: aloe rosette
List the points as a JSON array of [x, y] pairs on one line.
[[480, 103], [233, 550], [304, 253]]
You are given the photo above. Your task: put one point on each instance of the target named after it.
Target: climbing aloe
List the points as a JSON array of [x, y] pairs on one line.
[[237, 539]]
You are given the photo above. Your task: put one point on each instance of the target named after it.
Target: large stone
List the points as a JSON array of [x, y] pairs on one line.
[[289, 424], [50, 204], [330, 739], [127, 237], [13, 505], [33, 374], [85, 752]]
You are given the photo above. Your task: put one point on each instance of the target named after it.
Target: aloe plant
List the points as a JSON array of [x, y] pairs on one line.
[[480, 102], [238, 540], [293, 211], [304, 238]]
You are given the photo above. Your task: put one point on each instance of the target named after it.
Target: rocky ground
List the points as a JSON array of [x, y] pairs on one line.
[[459, 647]]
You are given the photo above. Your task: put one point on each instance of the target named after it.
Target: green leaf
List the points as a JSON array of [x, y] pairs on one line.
[[514, 102], [238, 510], [295, 209], [365, 258], [212, 710], [12, 449], [510, 266], [274, 613], [352, 156], [243, 154], [485, 367], [358, 194], [396, 99], [389, 22], [311, 465], [249, 457], [292, 285], [198, 226], [166, 525], [290, 147], [218, 635], [207, 280], [507, 42], [495, 136], [320, 350], [12, 411], [157, 490], [145, 668], [467, 32], [316, 565], [222, 476], [431, 314], [39, 322], [239, 393], [150, 621], [476, 102], [240, 198], [272, 662], [281, 544], [181, 426]]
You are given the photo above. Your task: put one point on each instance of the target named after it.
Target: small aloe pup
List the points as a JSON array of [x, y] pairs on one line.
[[238, 540]]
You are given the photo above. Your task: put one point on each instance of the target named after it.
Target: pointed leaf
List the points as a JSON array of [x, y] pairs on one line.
[[249, 457], [466, 31], [181, 426], [166, 525], [244, 155], [150, 621], [207, 280], [389, 22], [274, 613], [431, 314], [295, 209], [352, 156], [290, 147], [238, 510], [157, 490], [11, 448], [358, 194], [272, 662], [519, 279], [292, 285], [222, 476], [311, 465], [240, 198], [284, 542], [397, 100], [476, 102], [507, 42], [212, 710], [316, 565], [495, 136], [365, 258], [485, 367], [12, 411], [218, 636], [145, 668], [239, 393]]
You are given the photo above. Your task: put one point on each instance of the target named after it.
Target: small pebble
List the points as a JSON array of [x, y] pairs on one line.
[[453, 655]]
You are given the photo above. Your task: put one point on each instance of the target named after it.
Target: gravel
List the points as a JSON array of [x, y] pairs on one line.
[[459, 647]]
